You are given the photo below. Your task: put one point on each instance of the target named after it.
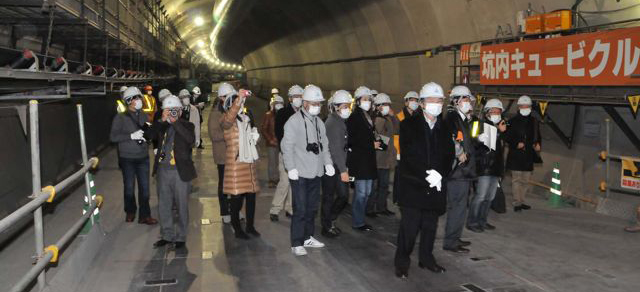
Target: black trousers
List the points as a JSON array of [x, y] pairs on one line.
[[235, 202], [335, 196], [224, 204], [413, 221]]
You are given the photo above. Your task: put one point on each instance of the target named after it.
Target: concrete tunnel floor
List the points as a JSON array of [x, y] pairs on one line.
[[542, 249]]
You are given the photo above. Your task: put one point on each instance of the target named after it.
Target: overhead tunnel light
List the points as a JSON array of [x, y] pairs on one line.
[[199, 21], [201, 43]]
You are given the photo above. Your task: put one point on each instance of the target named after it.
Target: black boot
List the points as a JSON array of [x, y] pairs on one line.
[[236, 204]]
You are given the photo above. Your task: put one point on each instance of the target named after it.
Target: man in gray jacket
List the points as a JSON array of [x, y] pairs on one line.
[[306, 157], [335, 189], [133, 156]]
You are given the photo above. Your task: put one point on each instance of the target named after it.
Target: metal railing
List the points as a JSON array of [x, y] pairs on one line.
[[606, 156], [40, 196]]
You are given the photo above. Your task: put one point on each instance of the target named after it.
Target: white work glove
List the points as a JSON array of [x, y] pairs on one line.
[[434, 178], [155, 151], [484, 138], [329, 170], [293, 174], [254, 135], [138, 135], [197, 143]]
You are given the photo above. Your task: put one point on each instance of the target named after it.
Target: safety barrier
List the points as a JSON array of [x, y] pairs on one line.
[[40, 195], [606, 156]]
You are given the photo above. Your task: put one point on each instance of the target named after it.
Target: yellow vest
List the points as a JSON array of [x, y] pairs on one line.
[[396, 138]]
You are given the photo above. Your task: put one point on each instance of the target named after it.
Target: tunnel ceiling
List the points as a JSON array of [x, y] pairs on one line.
[[253, 24]]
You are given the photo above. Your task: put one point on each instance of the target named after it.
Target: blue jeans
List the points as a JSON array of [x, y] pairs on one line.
[[479, 208], [360, 197], [305, 198], [380, 191], [132, 169]]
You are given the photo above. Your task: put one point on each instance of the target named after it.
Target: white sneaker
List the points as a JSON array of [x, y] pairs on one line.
[[226, 219], [299, 251], [313, 243]]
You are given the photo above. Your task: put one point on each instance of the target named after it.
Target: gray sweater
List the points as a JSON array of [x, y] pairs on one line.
[[121, 128], [337, 135], [294, 145]]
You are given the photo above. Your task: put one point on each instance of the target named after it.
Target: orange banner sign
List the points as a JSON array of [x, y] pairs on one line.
[[606, 58]]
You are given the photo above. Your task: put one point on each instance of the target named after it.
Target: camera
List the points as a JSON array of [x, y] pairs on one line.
[[162, 156], [174, 112], [315, 148]]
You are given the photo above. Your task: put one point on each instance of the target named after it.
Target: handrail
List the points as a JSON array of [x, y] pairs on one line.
[[51, 255], [47, 194]]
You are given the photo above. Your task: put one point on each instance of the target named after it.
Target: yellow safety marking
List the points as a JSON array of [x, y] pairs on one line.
[[120, 107], [52, 193], [543, 106], [99, 200], [475, 128], [206, 221], [96, 160], [603, 155], [53, 249], [603, 186], [207, 255], [33, 102], [634, 101]]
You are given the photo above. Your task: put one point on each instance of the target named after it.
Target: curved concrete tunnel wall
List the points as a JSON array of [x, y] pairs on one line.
[[393, 26]]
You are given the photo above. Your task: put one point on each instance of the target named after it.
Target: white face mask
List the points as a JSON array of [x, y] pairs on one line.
[[413, 105], [185, 101], [384, 110], [434, 109], [345, 113], [314, 110], [495, 118], [278, 106], [465, 107], [365, 105], [525, 111], [138, 104], [297, 102]]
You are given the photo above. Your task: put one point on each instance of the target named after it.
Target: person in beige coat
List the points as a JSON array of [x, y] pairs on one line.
[[216, 134], [240, 175]]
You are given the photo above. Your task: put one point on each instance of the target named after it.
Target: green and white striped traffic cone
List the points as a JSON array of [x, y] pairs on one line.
[[555, 197]]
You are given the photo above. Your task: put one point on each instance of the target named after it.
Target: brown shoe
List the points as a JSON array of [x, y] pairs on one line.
[[632, 229], [148, 221], [130, 217]]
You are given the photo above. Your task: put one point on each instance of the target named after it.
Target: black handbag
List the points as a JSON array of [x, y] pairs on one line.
[[499, 204]]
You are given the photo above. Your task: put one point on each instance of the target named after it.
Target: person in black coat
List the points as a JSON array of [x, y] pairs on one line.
[[427, 156], [174, 170], [489, 167], [361, 157], [460, 120], [523, 137]]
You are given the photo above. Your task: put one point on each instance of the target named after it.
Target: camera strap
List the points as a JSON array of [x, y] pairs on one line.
[[134, 121], [306, 134]]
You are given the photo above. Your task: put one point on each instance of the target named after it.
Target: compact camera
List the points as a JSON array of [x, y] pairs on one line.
[[145, 127], [174, 112], [315, 148]]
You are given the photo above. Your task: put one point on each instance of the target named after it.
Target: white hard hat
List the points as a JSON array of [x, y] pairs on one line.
[[130, 93], [277, 98], [163, 93], [171, 101], [226, 89], [374, 92], [312, 93], [431, 89], [524, 100], [461, 91], [295, 90], [411, 94], [493, 103], [122, 89], [362, 91], [340, 97], [381, 98], [196, 90], [184, 93], [274, 91]]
